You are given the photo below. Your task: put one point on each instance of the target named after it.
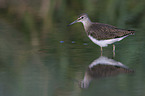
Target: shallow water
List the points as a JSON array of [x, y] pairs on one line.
[[59, 66]]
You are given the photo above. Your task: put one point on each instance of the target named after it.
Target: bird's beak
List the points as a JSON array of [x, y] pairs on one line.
[[73, 22]]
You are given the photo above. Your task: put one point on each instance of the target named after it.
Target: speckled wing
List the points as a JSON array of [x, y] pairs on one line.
[[104, 31]]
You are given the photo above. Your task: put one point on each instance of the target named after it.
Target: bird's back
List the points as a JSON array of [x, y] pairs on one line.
[[104, 31]]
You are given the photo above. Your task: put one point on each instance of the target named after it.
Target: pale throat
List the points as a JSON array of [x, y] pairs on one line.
[[87, 22]]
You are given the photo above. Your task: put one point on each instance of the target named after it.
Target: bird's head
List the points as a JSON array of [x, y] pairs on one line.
[[82, 18]]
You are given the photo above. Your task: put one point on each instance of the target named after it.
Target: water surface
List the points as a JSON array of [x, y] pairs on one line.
[[59, 66]]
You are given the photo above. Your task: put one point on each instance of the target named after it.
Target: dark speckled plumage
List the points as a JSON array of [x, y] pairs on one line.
[[104, 31]]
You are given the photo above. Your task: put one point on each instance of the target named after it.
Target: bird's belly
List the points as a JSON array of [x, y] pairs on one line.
[[104, 43]]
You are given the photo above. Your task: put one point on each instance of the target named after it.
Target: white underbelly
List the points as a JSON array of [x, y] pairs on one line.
[[104, 43]]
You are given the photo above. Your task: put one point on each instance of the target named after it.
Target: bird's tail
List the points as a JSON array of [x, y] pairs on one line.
[[132, 32]]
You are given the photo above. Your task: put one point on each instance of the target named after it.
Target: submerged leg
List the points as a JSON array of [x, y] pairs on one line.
[[113, 50]]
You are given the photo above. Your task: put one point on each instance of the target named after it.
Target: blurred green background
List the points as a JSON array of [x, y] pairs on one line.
[[39, 20], [34, 61]]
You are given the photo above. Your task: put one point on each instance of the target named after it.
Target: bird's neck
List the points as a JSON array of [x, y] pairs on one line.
[[87, 22]]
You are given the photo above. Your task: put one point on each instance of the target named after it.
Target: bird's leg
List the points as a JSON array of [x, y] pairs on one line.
[[113, 50], [101, 51]]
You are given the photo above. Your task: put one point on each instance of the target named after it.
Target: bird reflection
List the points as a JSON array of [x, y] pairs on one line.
[[103, 67]]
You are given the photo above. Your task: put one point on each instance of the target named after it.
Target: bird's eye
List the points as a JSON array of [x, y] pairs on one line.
[[82, 17]]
